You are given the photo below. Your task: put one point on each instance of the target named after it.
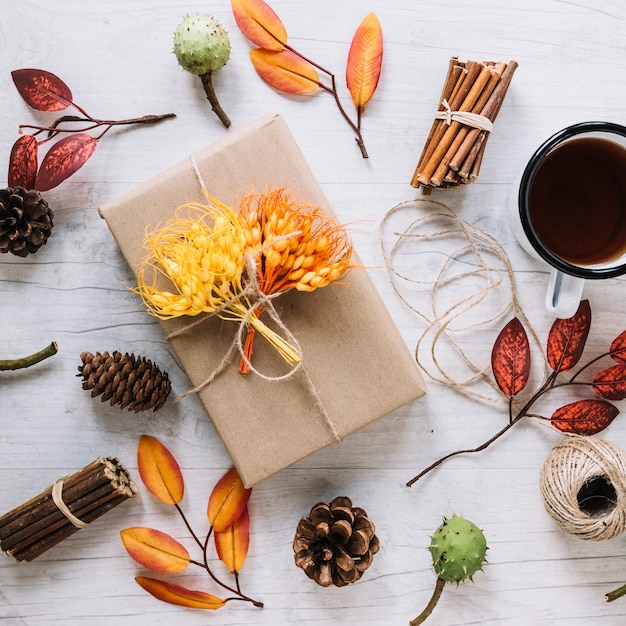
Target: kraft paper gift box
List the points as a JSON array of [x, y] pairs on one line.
[[356, 367]]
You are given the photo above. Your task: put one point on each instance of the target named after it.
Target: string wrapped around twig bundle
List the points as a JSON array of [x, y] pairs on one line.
[[69, 504], [470, 100]]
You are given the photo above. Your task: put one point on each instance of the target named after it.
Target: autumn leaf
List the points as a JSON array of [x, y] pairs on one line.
[[155, 550], [285, 71], [611, 382], [510, 358], [259, 23], [23, 162], [567, 338], [232, 544], [584, 417], [181, 596], [227, 501], [365, 60], [159, 470], [42, 90], [64, 158], [618, 348]]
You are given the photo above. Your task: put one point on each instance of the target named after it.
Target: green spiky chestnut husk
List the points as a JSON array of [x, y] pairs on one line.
[[458, 548], [202, 46]]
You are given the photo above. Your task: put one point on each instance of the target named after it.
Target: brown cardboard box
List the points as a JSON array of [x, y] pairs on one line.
[[353, 354]]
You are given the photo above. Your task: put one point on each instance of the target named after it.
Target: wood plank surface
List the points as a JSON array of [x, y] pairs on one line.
[[117, 58]]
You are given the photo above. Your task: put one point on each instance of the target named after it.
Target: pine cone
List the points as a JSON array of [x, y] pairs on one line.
[[129, 381], [26, 221], [336, 543]]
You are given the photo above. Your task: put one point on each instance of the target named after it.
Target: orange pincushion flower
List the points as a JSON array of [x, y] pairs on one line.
[[296, 246], [299, 246]]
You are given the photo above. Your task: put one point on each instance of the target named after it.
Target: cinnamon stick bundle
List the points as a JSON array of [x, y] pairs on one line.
[[62, 509], [470, 100]]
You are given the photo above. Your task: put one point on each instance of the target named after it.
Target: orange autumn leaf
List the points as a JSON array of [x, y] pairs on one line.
[[259, 23], [232, 544], [155, 550], [365, 60], [181, 596], [159, 470], [227, 501], [285, 71]]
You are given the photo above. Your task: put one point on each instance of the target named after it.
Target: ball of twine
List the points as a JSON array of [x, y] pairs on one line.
[[583, 484]]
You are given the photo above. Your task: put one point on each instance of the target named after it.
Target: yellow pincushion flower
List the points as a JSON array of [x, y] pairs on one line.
[[201, 252], [195, 265]]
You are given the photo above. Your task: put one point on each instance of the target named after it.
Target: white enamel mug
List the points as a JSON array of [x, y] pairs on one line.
[[567, 279]]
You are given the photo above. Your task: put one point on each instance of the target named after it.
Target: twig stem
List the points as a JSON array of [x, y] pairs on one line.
[[432, 603], [27, 361]]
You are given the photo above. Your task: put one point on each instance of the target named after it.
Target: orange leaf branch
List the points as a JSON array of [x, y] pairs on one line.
[[159, 552]]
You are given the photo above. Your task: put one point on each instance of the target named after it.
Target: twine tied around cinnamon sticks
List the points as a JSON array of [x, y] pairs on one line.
[[472, 95], [69, 504]]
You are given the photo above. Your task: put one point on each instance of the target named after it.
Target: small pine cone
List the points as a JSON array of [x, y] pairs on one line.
[[124, 379], [26, 221], [336, 543]]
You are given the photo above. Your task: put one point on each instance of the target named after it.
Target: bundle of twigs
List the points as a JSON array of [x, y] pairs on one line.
[[471, 98], [30, 529]]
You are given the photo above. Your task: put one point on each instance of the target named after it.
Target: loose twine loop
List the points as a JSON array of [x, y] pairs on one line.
[[474, 120], [253, 298], [57, 498], [583, 484], [474, 272]]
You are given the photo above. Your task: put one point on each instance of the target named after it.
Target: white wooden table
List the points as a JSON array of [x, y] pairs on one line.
[[116, 57]]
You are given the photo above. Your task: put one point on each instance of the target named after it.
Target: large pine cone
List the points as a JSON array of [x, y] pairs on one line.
[[124, 379], [26, 221], [336, 543]]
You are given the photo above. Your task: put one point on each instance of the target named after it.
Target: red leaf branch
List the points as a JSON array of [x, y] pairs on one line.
[[44, 91], [565, 345]]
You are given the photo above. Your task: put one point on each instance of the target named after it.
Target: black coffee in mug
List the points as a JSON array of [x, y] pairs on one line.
[[577, 201]]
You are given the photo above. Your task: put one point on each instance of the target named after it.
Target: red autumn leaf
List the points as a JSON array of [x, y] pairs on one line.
[[510, 358], [365, 60], [611, 382], [259, 23], [178, 595], [155, 550], [584, 417], [227, 501], [567, 338], [42, 90], [285, 71], [64, 158], [159, 470], [232, 544], [23, 162], [618, 348]]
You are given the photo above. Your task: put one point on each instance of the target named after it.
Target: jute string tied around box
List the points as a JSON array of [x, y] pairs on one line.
[[254, 298], [583, 484]]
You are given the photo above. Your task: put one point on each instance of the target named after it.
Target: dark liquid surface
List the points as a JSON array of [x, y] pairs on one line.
[[577, 201]]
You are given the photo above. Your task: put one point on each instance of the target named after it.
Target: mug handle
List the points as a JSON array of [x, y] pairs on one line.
[[564, 294]]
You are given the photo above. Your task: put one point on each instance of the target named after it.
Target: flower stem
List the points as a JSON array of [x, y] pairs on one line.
[[421, 618], [615, 594], [27, 361], [207, 83]]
